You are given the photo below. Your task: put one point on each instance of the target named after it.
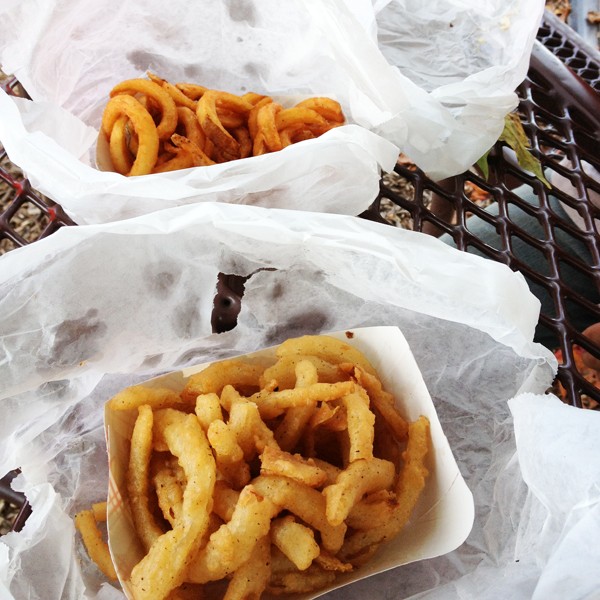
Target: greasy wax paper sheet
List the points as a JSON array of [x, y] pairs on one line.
[[91, 309], [459, 63]]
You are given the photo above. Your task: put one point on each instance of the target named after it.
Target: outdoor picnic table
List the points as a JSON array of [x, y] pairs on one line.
[[560, 110]]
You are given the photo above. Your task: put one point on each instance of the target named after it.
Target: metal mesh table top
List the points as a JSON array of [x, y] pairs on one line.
[[560, 109]]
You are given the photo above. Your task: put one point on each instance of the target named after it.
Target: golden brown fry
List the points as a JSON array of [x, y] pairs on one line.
[[180, 99], [144, 126], [289, 117], [259, 145], [231, 119], [96, 547], [331, 471], [253, 115], [120, 155], [294, 134], [175, 92], [168, 109], [198, 156], [224, 443], [211, 124], [191, 90], [253, 97], [99, 509], [329, 109], [266, 126], [190, 127], [180, 160], [242, 135]]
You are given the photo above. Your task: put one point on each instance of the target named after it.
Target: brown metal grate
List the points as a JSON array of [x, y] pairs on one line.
[[561, 116], [573, 50]]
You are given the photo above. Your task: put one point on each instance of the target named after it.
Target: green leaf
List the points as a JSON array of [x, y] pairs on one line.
[[514, 135], [483, 166]]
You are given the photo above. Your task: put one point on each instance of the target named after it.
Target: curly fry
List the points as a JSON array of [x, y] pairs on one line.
[[168, 109], [120, 155], [199, 158], [308, 117], [144, 127], [265, 121], [178, 96], [211, 124], [190, 127], [329, 109]]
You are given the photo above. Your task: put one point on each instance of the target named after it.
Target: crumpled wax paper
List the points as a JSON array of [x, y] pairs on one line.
[[444, 104], [91, 309]]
